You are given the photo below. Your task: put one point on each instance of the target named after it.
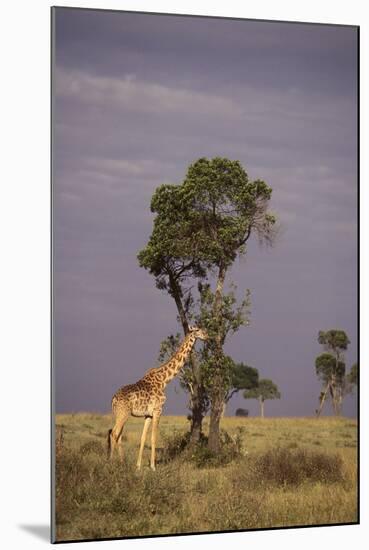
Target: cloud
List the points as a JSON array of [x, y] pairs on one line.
[[143, 97]]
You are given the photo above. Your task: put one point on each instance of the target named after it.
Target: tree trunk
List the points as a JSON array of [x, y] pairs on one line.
[[176, 292], [217, 397], [214, 426], [323, 396], [197, 412], [261, 407], [337, 388], [334, 395], [196, 425]]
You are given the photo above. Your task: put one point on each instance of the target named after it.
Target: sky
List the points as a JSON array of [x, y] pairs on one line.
[[139, 97]]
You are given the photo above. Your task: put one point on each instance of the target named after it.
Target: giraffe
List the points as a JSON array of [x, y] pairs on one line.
[[146, 398]]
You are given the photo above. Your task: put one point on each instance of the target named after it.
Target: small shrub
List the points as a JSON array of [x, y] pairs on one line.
[[178, 445], [242, 412], [174, 445], [285, 467]]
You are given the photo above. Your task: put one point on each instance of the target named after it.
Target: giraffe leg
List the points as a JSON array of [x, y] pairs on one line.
[[154, 433], [116, 434], [120, 447], [143, 439]]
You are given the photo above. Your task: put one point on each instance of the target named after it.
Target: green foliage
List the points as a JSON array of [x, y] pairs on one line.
[[244, 377], [205, 221], [225, 207], [266, 389], [326, 366], [334, 340], [232, 315], [353, 375]]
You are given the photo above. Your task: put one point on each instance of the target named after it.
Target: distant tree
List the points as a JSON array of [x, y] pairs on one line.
[[266, 389], [242, 412], [241, 377], [352, 375], [351, 380], [331, 369], [332, 376]]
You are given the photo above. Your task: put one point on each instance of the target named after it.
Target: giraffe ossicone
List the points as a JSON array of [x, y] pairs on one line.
[[146, 397]]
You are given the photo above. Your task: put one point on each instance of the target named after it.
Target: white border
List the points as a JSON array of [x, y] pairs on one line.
[[25, 287]]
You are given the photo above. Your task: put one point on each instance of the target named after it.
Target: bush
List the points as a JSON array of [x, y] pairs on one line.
[[178, 446], [174, 445], [131, 502], [286, 467], [242, 412]]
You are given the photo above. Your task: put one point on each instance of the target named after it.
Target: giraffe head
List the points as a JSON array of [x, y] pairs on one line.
[[198, 333]]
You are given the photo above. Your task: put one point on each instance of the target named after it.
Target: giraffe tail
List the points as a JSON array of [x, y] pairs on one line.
[[109, 442]]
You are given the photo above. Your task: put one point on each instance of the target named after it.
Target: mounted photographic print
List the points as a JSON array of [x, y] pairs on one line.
[[204, 274]]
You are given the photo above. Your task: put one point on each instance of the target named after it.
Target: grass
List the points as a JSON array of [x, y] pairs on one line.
[[288, 472]]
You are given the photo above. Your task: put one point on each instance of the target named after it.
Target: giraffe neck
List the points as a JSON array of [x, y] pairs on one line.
[[174, 365]]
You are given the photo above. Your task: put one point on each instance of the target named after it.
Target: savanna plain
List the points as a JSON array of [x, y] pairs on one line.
[[270, 472]]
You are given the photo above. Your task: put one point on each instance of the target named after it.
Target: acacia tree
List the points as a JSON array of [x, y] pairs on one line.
[[331, 369], [200, 227], [243, 377], [353, 376], [266, 389]]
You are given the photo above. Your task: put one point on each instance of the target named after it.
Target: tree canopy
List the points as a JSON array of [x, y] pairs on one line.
[[334, 340], [326, 366], [206, 220], [266, 389], [243, 377]]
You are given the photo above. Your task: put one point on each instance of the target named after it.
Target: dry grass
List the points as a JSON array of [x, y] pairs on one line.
[[289, 472]]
